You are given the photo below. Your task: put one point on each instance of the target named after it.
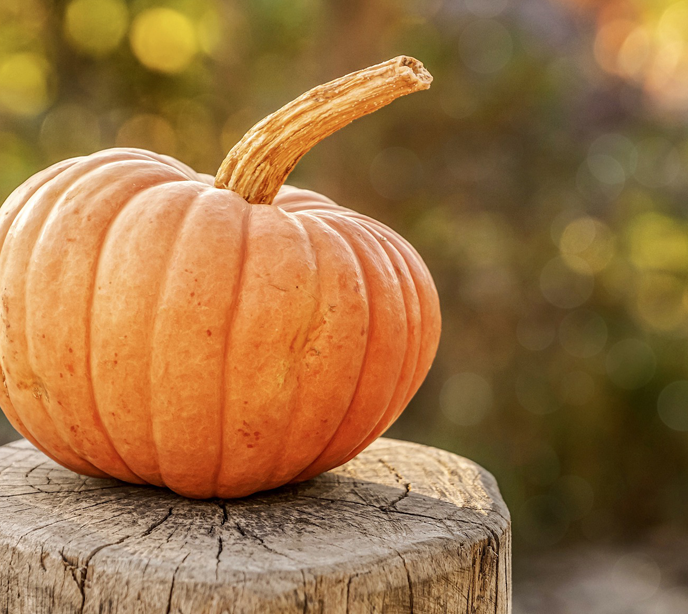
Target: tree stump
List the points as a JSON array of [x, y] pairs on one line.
[[401, 528]]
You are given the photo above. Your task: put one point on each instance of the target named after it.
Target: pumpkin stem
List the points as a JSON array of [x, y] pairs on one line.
[[260, 162]]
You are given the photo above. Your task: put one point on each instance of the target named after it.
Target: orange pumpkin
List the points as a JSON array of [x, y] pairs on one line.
[[161, 329]]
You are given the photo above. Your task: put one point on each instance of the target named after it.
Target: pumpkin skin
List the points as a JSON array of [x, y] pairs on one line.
[[159, 330]]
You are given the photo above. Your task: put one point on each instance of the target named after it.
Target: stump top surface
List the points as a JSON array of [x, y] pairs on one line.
[[391, 515]]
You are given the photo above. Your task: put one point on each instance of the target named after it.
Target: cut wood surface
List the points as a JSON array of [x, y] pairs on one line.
[[401, 528]]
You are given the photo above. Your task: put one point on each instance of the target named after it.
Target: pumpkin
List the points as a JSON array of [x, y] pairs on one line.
[[216, 337]]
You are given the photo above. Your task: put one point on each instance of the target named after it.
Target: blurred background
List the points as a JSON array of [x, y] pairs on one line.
[[542, 179]]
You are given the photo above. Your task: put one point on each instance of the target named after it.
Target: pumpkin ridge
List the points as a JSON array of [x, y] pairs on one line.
[[364, 362], [29, 192], [149, 156], [409, 253], [82, 178], [53, 207], [89, 321], [391, 243], [385, 416], [301, 363], [169, 257], [354, 269], [231, 318], [363, 443], [169, 161], [352, 226]]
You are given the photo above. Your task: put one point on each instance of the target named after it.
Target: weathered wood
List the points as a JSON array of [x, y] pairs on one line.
[[401, 528]]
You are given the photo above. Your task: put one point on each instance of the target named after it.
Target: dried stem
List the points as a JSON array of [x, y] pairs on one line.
[[260, 162]]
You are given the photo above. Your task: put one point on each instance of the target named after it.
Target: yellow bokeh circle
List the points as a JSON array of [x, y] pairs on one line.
[[24, 84], [96, 27], [164, 40], [589, 241], [658, 242]]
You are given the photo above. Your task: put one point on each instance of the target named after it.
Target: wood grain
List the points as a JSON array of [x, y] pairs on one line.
[[401, 528]]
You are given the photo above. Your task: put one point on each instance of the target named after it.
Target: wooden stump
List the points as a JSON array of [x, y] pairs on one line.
[[401, 528]]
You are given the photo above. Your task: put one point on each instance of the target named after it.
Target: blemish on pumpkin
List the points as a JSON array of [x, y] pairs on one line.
[[61, 375], [73, 429], [115, 362], [250, 445], [256, 434], [71, 350], [70, 368], [38, 391], [193, 294], [43, 336], [208, 333], [363, 331]]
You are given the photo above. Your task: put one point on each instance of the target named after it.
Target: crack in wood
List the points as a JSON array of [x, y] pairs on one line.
[[337, 543], [174, 581]]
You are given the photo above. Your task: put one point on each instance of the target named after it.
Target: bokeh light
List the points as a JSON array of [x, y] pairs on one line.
[[24, 86], [672, 405], [96, 27], [659, 162], [661, 301], [164, 40], [657, 241], [644, 575], [587, 245]]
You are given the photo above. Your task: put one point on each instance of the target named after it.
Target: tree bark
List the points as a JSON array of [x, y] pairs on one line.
[[401, 528]]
